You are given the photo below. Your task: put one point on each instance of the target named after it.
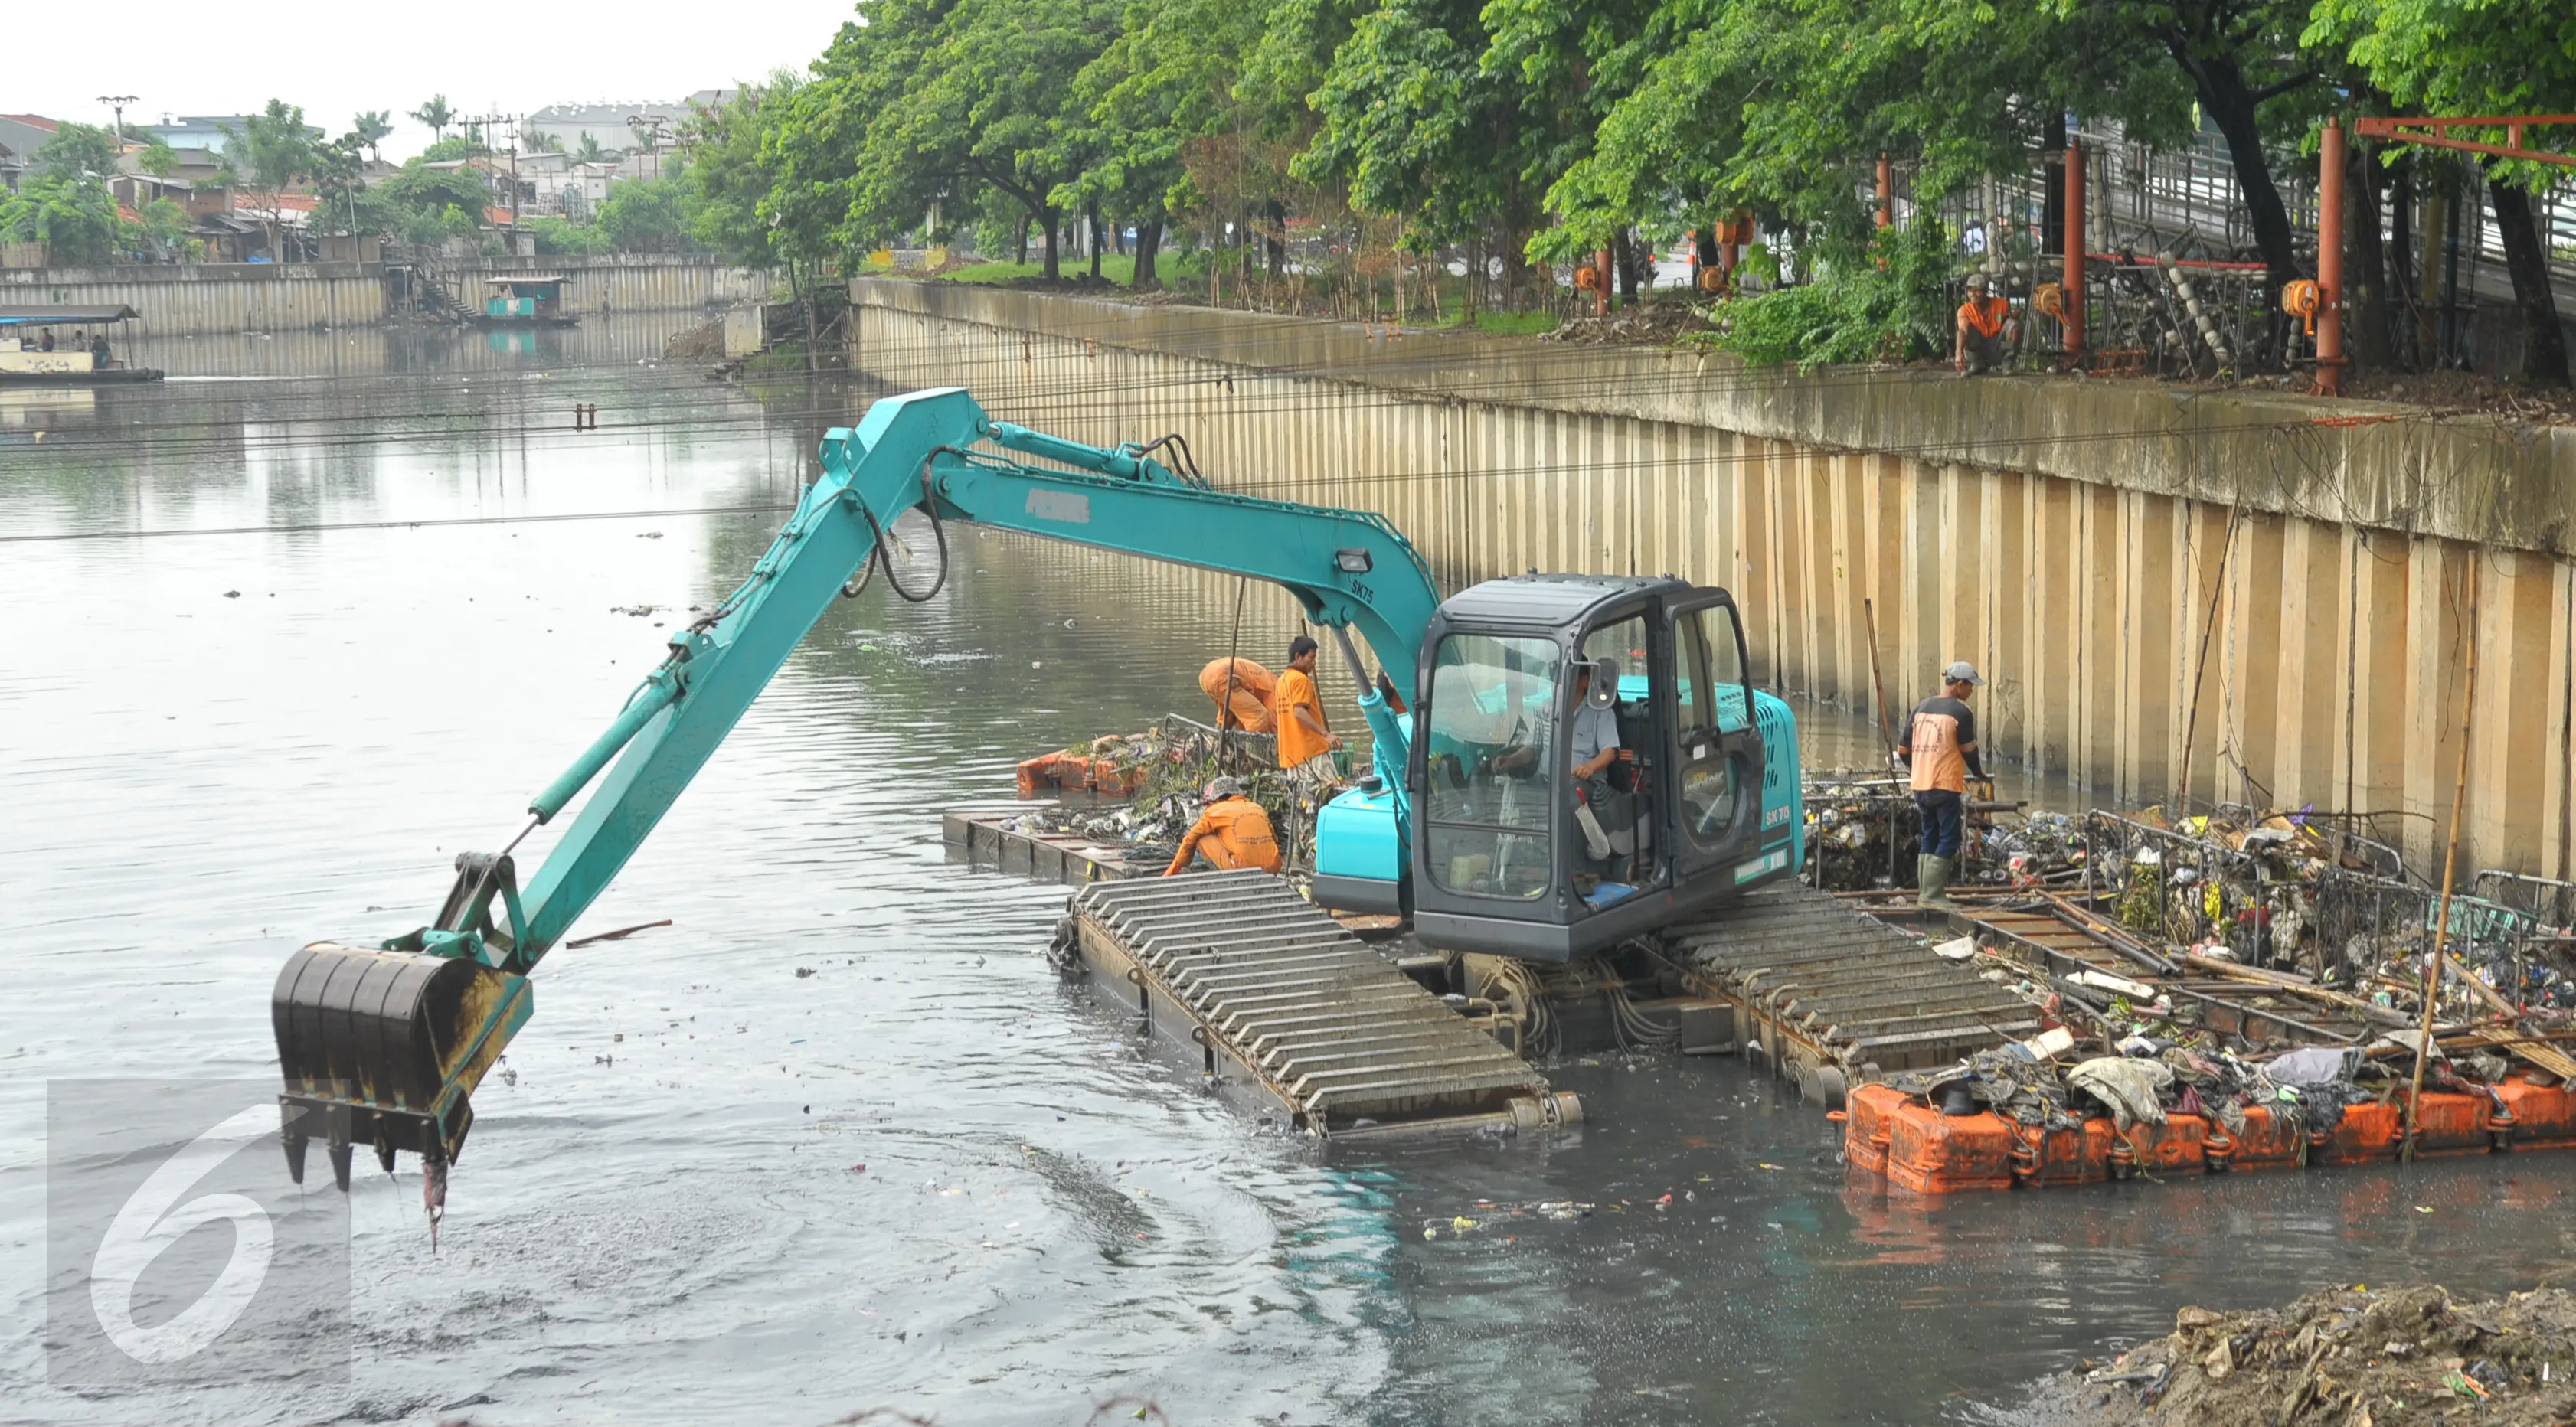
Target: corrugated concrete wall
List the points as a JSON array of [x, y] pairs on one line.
[[635, 282], [2162, 585], [213, 297], [285, 297]]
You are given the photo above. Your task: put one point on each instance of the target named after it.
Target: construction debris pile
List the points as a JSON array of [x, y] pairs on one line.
[[2386, 1358]]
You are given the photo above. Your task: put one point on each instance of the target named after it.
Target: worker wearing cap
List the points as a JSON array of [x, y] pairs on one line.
[[1234, 833], [1941, 749], [1984, 329]]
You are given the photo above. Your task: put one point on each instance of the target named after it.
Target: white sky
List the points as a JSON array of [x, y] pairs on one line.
[[193, 59]]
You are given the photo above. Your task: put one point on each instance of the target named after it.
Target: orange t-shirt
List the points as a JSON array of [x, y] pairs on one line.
[[1938, 733], [1985, 318], [1234, 833], [1296, 742]]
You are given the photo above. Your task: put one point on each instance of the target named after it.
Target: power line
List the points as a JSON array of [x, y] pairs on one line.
[[320, 527]]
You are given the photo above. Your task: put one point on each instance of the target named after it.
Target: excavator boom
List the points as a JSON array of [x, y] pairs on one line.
[[384, 1046]]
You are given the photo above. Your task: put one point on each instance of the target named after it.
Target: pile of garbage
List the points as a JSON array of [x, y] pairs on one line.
[[1863, 832], [2350, 1355], [2057, 1080], [1160, 775]]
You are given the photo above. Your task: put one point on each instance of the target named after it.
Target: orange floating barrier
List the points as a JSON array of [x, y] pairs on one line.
[[1915, 1147]]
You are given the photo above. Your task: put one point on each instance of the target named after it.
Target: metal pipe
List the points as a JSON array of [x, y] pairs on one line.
[[2330, 259], [2073, 290]]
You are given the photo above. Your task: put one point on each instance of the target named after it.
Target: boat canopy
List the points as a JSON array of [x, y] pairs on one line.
[[63, 316]]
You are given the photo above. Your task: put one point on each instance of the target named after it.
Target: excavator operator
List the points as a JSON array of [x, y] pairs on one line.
[[1234, 833]]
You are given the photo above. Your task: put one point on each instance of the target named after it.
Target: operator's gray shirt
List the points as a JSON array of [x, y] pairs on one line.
[[1594, 729]]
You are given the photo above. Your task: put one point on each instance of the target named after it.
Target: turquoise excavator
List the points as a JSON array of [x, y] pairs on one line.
[[1470, 823]]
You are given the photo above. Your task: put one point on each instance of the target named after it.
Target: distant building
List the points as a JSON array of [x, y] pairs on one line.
[[565, 124], [20, 136], [203, 131], [561, 186]]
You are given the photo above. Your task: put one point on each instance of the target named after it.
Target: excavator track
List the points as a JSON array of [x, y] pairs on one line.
[[1834, 997], [1283, 1004]]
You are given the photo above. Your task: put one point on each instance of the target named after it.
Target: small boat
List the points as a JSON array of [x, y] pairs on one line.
[[525, 300], [78, 353]]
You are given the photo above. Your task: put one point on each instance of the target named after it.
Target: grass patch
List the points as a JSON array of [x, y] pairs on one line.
[[1116, 267]]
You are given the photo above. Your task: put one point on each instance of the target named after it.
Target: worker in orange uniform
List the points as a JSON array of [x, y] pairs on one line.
[[1242, 698], [1234, 833], [1306, 742], [1984, 330], [1941, 750]]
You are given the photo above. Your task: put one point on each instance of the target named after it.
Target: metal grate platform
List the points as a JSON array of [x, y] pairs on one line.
[[1835, 996], [1284, 1001]]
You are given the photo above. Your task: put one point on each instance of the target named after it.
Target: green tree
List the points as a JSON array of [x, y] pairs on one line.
[[2469, 57], [931, 98], [1165, 84], [1783, 106], [436, 115], [589, 151], [158, 159], [338, 173], [1420, 127], [373, 127], [724, 146], [164, 227], [66, 204], [2249, 72], [265, 157], [650, 215]]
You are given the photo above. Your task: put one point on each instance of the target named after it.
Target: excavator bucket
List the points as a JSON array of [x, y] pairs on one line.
[[382, 1048]]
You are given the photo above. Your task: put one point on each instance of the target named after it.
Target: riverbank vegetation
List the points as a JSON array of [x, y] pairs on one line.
[[1410, 158]]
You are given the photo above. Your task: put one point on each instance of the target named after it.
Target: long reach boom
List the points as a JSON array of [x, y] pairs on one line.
[[385, 1047]]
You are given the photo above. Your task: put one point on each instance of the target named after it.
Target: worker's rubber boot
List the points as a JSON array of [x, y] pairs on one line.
[[1932, 883]]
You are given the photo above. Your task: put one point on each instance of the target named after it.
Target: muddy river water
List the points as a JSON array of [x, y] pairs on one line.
[[837, 1138]]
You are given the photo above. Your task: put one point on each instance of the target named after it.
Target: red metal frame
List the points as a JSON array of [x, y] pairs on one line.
[[2401, 130]]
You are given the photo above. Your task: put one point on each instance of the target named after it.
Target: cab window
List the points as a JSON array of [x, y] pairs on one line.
[[1491, 755]]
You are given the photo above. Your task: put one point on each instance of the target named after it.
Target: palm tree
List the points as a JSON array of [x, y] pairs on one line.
[[590, 152], [437, 114], [373, 126]]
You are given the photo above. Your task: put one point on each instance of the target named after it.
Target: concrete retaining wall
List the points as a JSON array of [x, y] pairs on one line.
[[213, 297], [634, 282], [2233, 590], [209, 298]]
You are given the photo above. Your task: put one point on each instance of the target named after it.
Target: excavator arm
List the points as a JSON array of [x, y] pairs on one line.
[[385, 1046]]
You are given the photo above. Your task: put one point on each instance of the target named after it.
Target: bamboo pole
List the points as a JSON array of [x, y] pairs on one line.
[[1876, 687], [2450, 868]]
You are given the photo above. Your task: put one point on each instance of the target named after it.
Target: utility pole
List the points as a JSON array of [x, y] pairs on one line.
[[489, 123], [117, 102], [652, 127]]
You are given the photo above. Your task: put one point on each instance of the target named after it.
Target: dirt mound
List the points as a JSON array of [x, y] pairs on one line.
[[1649, 324], [2352, 1356], [2467, 393], [700, 343]]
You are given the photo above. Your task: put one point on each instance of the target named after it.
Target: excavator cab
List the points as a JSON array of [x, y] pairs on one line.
[[1589, 761]]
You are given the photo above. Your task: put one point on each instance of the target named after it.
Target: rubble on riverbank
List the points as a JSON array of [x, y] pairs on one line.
[[2349, 1356]]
